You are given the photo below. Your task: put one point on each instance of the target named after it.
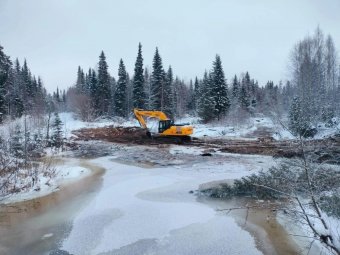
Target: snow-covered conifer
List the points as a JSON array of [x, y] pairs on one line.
[[16, 142], [103, 91], [138, 94], [168, 100], [206, 104], [57, 137], [157, 83], [120, 95], [219, 88]]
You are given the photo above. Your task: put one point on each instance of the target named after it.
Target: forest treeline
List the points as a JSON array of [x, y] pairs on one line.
[[310, 95]]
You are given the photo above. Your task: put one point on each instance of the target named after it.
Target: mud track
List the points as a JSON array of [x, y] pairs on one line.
[[323, 150]]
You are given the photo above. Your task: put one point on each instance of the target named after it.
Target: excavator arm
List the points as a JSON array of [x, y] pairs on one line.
[[153, 114]]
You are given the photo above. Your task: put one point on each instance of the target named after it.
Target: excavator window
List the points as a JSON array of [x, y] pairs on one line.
[[164, 125]]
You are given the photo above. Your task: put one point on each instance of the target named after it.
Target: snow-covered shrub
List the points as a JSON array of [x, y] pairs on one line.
[[328, 116], [278, 182], [331, 205]]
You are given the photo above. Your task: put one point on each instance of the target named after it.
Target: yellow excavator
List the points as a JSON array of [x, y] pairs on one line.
[[166, 126]]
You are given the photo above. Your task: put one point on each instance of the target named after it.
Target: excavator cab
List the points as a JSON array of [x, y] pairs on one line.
[[164, 125]]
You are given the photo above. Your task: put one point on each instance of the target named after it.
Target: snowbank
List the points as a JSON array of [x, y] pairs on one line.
[[65, 173]]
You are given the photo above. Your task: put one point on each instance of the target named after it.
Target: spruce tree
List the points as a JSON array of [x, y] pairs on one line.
[[103, 92], [3, 108], [235, 90], [244, 99], [247, 83], [168, 99], [80, 84], [219, 89], [191, 97], [27, 87], [196, 93], [129, 103], [147, 88], [5, 65], [157, 82], [206, 104], [57, 137], [16, 143], [17, 105], [138, 94], [120, 95], [93, 86]]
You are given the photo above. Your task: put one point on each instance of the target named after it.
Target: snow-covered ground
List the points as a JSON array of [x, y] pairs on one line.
[[248, 130], [65, 173]]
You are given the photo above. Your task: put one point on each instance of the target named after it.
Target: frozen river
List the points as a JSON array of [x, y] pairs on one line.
[[128, 209]]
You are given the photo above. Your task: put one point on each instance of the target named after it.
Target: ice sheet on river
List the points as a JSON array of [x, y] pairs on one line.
[[121, 221]]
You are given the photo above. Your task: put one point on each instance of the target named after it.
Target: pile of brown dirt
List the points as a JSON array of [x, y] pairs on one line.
[[113, 134]]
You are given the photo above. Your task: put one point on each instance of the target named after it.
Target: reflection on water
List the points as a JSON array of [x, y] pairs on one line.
[[270, 236], [38, 226]]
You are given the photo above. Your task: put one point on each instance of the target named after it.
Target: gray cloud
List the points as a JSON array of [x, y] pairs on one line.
[[58, 35]]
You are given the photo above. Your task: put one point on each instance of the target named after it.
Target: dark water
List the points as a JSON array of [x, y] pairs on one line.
[[38, 226]]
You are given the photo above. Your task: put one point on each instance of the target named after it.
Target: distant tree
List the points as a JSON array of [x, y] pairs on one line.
[[299, 123], [235, 91], [40, 99], [206, 103], [244, 99], [138, 94], [81, 104], [168, 98], [120, 95], [93, 87], [103, 91], [80, 84], [328, 115], [147, 88], [331, 66], [247, 83], [3, 107], [157, 82], [16, 142], [5, 65], [196, 93], [219, 89], [191, 97], [129, 95], [271, 97], [28, 90], [313, 66], [57, 137]]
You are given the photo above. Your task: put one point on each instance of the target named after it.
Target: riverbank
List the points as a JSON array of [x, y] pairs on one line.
[[66, 171]]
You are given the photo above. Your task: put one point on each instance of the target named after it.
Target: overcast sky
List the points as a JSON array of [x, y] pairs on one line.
[[55, 36]]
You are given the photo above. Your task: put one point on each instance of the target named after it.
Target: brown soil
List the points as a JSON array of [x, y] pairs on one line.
[[113, 134], [323, 149]]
